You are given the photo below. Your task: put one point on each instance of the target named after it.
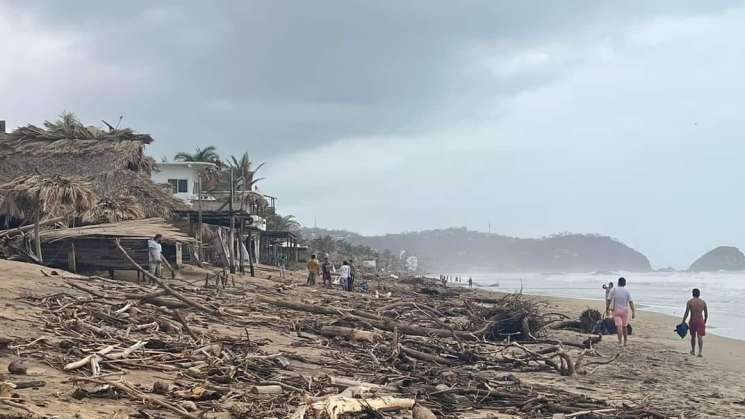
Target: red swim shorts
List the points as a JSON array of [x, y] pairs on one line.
[[697, 327]]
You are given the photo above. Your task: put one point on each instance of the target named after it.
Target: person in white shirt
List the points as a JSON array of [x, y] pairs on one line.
[[620, 300], [154, 251], [345, 272]]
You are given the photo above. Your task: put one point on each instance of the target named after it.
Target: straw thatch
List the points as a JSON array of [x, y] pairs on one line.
[[112, 209], [156, 200], [139, 228], [113, 160], [37, 196]]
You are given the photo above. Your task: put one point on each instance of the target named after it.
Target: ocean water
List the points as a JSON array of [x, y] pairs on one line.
[[664, 293]]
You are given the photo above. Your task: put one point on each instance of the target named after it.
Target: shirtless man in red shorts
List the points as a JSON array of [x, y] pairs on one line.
[[697, 326]]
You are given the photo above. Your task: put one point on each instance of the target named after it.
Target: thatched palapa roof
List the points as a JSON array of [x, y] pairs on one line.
[[138, 228], [113, 160], [32, 196]]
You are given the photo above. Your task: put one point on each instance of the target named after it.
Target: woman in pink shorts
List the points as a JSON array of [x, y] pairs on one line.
[[620, 301]]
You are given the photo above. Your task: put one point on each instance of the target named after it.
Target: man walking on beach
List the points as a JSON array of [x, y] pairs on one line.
[[344, 273], [620, 300], [470, 282], [314, 268], [326, 272], [352, 275], [697, 325], [154, 251]]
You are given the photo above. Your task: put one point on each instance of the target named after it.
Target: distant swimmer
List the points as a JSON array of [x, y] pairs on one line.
[[620, 300], [697, 325]]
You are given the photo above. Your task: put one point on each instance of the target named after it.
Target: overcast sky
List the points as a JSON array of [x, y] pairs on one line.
[[620, 118]]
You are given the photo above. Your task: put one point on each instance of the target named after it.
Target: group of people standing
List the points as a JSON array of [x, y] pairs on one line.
[[444, 279], [618, 300], [346, 273]]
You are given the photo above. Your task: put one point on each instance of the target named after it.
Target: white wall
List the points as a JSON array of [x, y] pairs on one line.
[[163, 173]]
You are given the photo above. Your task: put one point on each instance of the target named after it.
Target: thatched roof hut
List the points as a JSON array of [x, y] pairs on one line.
[[113, 160]]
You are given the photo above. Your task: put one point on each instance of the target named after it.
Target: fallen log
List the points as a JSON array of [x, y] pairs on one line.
[[348, 382], [335, 406], [87, 359], [165, 286], [353, 334], [268, 389], [181, 319], [423, 356], [29, 384]]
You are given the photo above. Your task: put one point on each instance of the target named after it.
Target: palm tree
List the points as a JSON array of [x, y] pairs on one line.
[[35, 197], [242, 169], [207, 154], [282, 223]]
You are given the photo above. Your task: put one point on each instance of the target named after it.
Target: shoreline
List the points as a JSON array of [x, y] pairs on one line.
[[710, 331], [659, 328]]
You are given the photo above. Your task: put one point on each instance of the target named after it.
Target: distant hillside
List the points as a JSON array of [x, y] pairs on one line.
[[723, 258], [457, 249]]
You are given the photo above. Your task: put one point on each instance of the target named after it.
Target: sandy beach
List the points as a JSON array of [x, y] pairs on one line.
[[654, 370], [657, 367]]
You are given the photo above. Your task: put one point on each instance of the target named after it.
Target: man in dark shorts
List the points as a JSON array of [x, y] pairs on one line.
[[697, 325], [326, 272]]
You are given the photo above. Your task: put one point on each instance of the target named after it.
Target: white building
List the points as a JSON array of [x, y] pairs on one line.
[[182, 176]]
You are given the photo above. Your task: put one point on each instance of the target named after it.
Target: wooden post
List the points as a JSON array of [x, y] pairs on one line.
[[72, 264], [200, 256], [232, 227], [179, 255], [241, 243], [250, 252], [37, 239]]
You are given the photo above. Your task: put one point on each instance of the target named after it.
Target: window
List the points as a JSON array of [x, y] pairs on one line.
[[179, 185]]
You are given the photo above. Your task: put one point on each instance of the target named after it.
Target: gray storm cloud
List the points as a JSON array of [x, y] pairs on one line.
[[538, 117]]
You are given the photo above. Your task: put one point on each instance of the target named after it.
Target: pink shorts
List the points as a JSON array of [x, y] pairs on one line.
[[621, 317]]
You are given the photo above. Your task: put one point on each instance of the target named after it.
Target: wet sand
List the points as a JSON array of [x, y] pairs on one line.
[[657, 367]]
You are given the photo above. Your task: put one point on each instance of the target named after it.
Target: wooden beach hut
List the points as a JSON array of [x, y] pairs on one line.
[[94, 247]]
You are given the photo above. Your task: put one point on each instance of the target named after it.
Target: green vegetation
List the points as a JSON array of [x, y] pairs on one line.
[[459, 249], [207, 154]]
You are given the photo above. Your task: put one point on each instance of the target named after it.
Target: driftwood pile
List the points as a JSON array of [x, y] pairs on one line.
[[399, 349], [591, 321]]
